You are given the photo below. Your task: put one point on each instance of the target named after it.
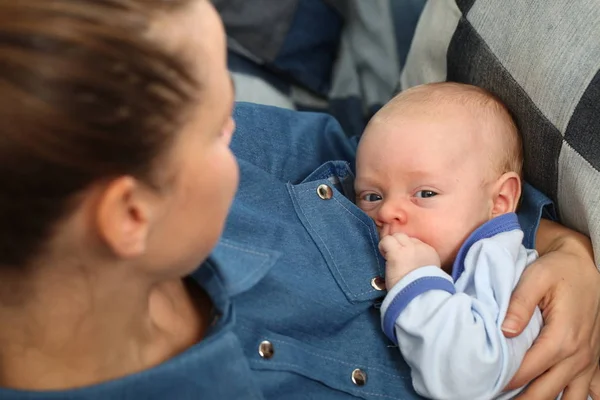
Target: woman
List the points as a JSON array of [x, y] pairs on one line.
[[117, 180], [109, 139]]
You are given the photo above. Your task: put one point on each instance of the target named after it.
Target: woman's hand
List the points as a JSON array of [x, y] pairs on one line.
[[565, 283]]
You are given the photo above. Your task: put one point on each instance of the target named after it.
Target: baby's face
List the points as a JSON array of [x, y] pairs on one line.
[[425, 175]]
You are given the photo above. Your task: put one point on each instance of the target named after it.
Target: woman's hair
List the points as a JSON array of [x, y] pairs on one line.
[[85, 95]]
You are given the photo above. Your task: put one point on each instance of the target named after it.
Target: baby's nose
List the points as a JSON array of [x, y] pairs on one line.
[[393, 212]]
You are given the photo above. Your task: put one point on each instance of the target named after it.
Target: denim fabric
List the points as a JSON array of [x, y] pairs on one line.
[[292, 268], [316, 305], [308, 52], [534, 205], [288, 145]]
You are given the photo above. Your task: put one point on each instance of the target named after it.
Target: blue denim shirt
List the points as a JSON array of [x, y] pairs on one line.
[[294, 268]]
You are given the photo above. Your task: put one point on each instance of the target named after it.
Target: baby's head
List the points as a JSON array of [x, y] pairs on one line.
[[436, 162]]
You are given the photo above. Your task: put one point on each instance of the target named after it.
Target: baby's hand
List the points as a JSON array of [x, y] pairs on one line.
[[404, 254]]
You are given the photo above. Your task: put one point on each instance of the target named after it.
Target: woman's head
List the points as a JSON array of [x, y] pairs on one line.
[[114, 130]]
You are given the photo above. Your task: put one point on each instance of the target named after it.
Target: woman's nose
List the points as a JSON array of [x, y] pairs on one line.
[[229, 128]]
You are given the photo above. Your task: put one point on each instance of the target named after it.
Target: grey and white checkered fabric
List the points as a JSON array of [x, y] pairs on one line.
[[542, 58]]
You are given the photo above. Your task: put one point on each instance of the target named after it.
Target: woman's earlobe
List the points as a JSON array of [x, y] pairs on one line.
[[507, 194], [123, 217]]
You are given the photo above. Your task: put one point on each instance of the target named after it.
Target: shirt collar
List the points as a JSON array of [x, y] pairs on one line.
[[503, 223], [240, 266]]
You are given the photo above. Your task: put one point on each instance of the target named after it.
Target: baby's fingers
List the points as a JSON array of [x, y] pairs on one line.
[[402, 239], [385, 244], [391, 243]]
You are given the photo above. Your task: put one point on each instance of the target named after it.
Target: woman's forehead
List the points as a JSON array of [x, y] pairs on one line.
[[194, 33]]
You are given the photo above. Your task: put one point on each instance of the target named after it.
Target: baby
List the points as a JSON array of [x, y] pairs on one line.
[[439, 171]]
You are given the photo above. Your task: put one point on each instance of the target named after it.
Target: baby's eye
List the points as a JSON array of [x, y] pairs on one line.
[[371, 197], [425, 194]]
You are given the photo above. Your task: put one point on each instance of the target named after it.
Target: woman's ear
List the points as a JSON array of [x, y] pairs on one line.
[[123, 217], [507, 193]]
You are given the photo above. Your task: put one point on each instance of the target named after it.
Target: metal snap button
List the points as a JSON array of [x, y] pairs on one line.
[[378, 283], [265, 349], [324, 192], [359, 377]]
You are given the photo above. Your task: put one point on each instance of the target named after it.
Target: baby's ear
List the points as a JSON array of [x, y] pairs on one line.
[[507, 192]]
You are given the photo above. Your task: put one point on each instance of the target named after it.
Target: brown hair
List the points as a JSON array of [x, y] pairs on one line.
[[85, 95], [485, 105]]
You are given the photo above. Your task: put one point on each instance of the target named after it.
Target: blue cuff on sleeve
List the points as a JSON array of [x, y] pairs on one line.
[[534, 206], [406, 295]]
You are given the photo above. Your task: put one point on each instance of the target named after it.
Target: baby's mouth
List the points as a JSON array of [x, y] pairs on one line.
[[383, 231]]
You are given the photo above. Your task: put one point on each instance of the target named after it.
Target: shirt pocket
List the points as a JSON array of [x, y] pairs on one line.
[[345, 236], [366, 372]]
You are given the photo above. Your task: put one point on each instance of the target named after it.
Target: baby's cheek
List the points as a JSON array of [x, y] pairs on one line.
[[446, 243]]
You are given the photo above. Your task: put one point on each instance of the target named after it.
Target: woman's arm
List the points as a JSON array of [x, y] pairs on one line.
[[552, 236], [565, 283]]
